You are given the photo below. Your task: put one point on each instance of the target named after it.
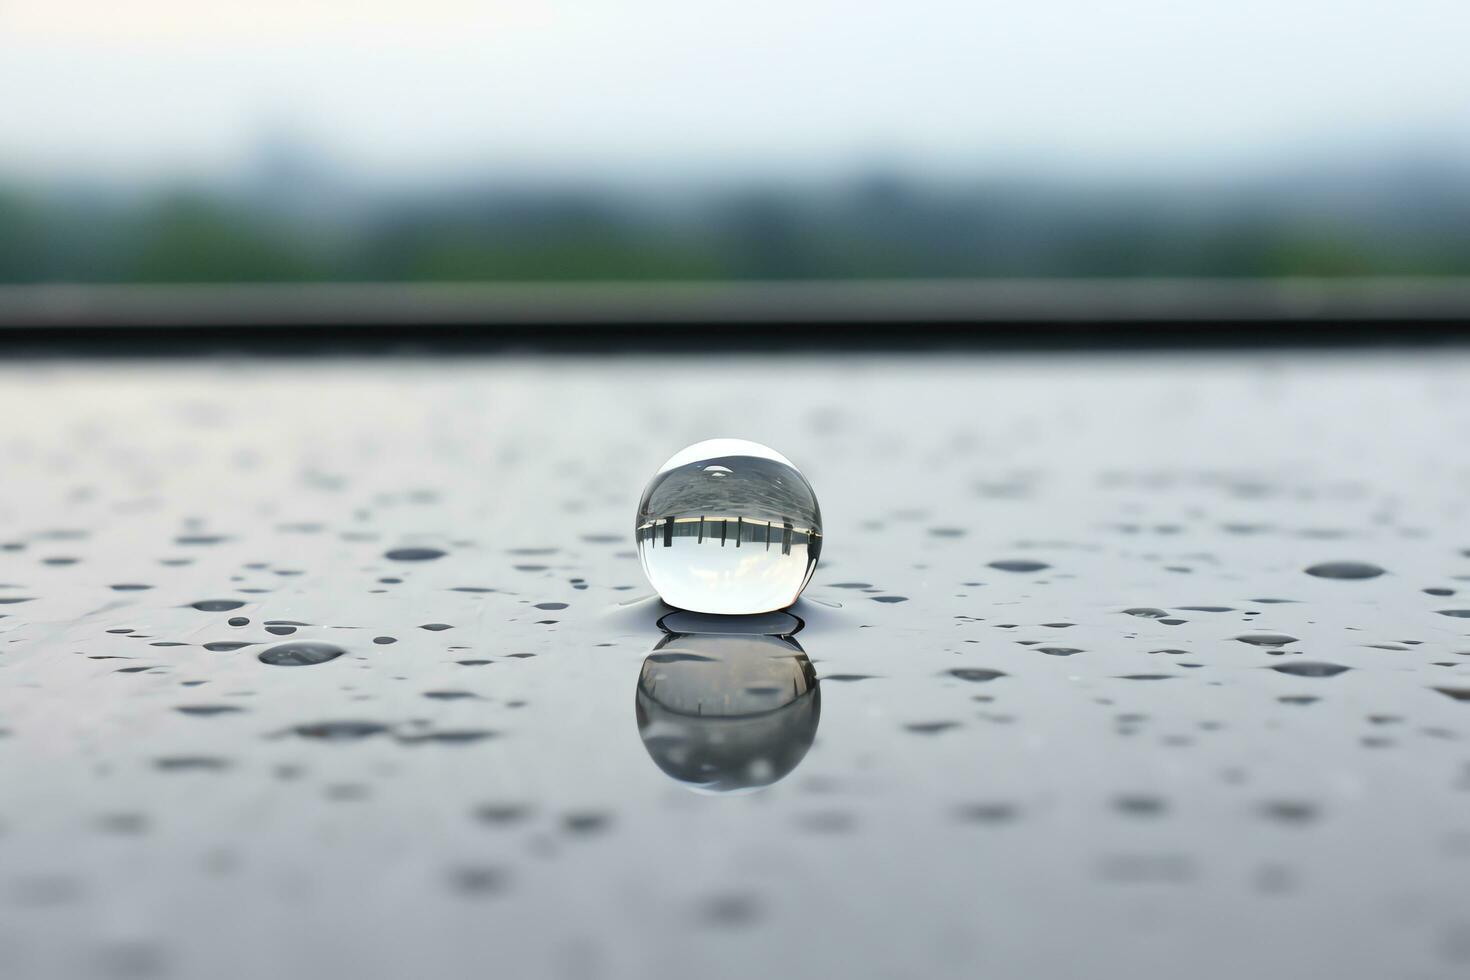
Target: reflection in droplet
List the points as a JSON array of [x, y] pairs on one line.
[[729, 526], [727, 713], [300, 654]]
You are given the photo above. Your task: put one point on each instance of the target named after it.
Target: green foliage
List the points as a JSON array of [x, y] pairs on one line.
[[877, 230]]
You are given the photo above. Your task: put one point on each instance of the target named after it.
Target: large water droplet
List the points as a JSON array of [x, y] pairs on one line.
[[729, 526]]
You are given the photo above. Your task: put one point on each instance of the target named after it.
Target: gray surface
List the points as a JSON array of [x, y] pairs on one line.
[[1060, 820]]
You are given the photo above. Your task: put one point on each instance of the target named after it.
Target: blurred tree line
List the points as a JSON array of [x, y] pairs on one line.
[[876, 227]]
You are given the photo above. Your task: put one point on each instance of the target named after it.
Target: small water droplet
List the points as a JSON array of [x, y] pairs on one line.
[[1345, 570], [930, 727], [1140, 806], [300, 654], [340, 731], [1019, 565], [975, 674], [191, 763], [986, 813], [1290, 811], [583, 824], [216, 605], [1266, 639], [414, 554], [1310, 668]]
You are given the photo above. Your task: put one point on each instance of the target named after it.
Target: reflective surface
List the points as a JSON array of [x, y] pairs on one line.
[[729, 526], [1106, 672]]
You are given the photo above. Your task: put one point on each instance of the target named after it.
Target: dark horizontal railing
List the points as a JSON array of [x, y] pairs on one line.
[[740, 315]]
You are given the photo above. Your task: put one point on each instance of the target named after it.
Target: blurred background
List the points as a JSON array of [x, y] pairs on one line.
[[160, 141]]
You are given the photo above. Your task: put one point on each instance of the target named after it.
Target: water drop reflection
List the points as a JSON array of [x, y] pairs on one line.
[[729, 712]]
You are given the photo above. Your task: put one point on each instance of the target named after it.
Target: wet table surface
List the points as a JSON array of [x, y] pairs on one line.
[[1115, 665]]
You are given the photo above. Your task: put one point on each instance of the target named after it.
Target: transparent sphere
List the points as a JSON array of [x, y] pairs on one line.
[[728, 713], [729, 526]]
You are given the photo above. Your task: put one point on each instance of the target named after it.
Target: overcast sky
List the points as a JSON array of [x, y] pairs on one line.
[[147, 88]]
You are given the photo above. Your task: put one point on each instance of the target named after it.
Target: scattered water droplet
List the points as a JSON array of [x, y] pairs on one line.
[[986, 813], [1345, 570], [1019, 565], [208, 710], [975, 674], [414, 554], [340, 731], [1290, 811], [300, 654], [1140, 806], [1267, 639], [930, 727], [191, 763], [1310, 668]]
